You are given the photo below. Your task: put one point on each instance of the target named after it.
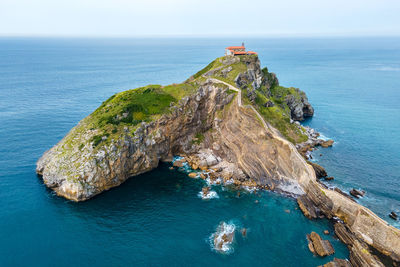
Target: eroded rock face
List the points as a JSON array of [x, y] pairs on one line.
[[81, 174], [240, 146], [299, 106]]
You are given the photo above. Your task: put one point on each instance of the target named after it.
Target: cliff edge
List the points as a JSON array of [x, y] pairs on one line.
[[233, 118]]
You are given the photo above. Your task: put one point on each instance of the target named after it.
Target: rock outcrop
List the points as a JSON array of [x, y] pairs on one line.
[[84, 172], [319, 246], [299, 106], [234, 142], [337, 263]]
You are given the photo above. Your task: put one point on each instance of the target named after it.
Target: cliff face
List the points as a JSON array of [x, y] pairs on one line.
[[232, 117], [85, 171]]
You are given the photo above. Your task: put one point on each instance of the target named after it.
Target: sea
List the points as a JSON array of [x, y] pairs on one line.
[[47, 85]]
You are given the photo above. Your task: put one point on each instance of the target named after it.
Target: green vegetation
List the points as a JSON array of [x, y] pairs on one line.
[[132, 106], [278, 114], [124, 111], [198, 139]]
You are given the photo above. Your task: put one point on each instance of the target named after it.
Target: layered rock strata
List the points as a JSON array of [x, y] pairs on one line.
[[234, 142]]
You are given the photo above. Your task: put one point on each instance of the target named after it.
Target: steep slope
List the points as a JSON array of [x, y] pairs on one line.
[[232, 118]]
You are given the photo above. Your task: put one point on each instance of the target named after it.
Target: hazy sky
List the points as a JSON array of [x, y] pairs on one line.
[[199, 17]]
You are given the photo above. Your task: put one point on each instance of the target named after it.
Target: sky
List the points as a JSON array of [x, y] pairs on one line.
[[263, 18]]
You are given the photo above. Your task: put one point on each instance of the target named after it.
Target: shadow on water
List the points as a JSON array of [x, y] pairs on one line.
[[162, 207]]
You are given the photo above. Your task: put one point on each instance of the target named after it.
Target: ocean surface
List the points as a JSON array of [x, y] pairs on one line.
[[158, 219]]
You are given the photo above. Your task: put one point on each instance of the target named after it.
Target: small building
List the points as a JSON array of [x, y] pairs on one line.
[[238, 50]]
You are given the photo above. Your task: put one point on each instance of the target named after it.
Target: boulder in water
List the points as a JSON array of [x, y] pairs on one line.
[[192, 175], [326, 144], [357, 193], [319, 246], [393, 215], [223, 237]]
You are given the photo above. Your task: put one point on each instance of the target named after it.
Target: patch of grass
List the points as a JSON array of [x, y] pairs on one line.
[[96, 140], [207, 68], [198, 138], [132, 106]]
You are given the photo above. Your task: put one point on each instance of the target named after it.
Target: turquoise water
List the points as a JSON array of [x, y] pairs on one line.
[[48, 85]]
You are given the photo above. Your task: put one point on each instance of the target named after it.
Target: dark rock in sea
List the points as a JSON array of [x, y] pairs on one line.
[[319, 246], [343, 193], [357, 193], [337, 263], [320, 172], [393, 215], [326, 144], [330, 178]]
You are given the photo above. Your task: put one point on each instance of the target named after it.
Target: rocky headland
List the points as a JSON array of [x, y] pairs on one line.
[[233, 121]]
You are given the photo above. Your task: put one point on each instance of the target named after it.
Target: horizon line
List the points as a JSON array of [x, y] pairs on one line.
[[215, 36]]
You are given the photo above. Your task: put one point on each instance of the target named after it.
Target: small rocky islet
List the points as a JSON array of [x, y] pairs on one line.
[[233, 120]]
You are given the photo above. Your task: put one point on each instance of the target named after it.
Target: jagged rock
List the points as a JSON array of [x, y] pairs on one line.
[[319, 246], [357, 193], [330, 178], [337, 263], [326, 144], [393, 215], [300, 107], [320, 172], [254, 154], [307, 207], [336, 189]]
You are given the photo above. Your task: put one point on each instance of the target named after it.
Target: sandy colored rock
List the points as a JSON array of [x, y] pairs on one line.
[[337, 263], [326, 144], [192, 175], [319, 246]]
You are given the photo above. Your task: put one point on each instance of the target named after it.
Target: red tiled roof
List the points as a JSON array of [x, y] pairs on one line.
[[235, 47], [251, 53], [239, 52]]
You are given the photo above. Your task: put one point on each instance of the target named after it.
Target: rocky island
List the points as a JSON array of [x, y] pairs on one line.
[[234, 120]]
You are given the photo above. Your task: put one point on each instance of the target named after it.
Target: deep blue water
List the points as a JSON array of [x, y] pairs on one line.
[[48, 85]]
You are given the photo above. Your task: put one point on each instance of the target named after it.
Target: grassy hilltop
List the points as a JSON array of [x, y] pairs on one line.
[[124, 111]]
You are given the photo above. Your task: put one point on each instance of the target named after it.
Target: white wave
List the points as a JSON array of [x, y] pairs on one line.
[[217, 181], [323, 137], [210, 194], [222, 240]]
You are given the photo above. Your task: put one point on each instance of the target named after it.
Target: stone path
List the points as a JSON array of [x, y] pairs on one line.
[[267, 127]]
